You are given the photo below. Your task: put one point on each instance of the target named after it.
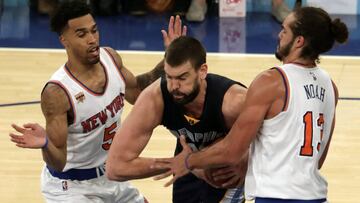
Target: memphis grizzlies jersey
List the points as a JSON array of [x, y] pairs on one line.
[[199, 133], [283, 161], [210, 126], [96, 115]]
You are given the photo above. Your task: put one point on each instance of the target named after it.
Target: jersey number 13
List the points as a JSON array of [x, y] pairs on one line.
[[307, 147]]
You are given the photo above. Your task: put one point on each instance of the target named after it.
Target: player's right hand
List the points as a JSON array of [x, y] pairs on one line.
[[32, 135], [175, 30]]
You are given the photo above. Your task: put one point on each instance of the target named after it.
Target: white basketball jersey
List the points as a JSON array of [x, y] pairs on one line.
[[96, 115], [285, 154]]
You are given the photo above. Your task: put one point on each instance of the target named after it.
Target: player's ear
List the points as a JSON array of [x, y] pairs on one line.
[[299, 41], [203, 71], [63, 41]]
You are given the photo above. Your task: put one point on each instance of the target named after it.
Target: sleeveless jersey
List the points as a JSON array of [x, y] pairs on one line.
[[96, 115], [284, 156], [210, 127]]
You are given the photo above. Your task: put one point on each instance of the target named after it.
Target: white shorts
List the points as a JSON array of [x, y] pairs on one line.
[[98, 189]]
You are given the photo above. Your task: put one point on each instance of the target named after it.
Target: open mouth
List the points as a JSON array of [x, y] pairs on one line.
[[94, 51]]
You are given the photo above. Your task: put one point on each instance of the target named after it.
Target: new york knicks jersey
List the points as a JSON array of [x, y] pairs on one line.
[[284, 155], [96, 115]]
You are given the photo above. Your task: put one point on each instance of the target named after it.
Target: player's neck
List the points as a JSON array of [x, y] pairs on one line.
[[306, 63], [77, 68]]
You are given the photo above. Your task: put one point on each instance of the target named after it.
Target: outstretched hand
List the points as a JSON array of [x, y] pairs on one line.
[[175, 30], [176, 164], [32, 135]]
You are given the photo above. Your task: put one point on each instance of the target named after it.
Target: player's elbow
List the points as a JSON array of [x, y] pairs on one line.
[[56, 168], [115, 177], [55, 165], [115, 172]]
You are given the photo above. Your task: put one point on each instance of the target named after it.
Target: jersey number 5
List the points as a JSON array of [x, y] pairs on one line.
[[307, 147], [109, 134]]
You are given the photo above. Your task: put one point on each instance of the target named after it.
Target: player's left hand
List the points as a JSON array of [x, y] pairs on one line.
[[175, 30], [227, 177], [176, 164], [201, 174], [230, 176]]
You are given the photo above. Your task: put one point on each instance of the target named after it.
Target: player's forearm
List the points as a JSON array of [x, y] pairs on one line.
[[146, 79], [232, 148], [213, 157], [134, 169], [54, 157]]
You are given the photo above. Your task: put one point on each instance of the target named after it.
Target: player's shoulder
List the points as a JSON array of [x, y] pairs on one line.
[[268, 78], [235, 95], [270, 73], [266, 87], [235, 91], [55, 96], [113, 53], [53, 88], [233, 103], [151, 96], [109, 49], [115, 56], [154, 89]]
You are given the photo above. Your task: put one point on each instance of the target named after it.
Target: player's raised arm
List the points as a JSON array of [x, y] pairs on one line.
[[135, 84]]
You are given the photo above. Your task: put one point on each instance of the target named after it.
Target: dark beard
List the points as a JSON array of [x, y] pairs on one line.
[[285, 51], [278, 56], [188, 98]]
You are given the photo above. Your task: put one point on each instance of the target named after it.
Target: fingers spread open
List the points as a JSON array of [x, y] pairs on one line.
[[171, 26], [164, 175], [18, 128], [171, 181]]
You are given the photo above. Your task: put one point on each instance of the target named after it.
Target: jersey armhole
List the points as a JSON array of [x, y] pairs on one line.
[[72, 109], [287, 88], [115, 64]]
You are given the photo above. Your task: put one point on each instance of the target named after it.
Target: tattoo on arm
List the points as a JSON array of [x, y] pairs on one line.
[[146, 79]]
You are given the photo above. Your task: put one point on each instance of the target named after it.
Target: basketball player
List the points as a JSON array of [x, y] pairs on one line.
[[288, 118], [189, 102], [82, 104]]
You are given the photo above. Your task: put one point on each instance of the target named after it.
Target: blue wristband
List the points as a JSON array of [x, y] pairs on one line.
[[187, 161], [46, 143]]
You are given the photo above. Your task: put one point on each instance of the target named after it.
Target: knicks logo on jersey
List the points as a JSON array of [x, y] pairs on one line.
[[80, 97], [101, 117], [198, 141]]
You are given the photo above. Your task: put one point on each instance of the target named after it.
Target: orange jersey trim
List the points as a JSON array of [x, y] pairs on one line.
[[116, 65], [287, 87], [66, 68], [71, 102]]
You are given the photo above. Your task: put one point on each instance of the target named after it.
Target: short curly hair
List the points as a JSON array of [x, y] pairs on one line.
[[66, 11]]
